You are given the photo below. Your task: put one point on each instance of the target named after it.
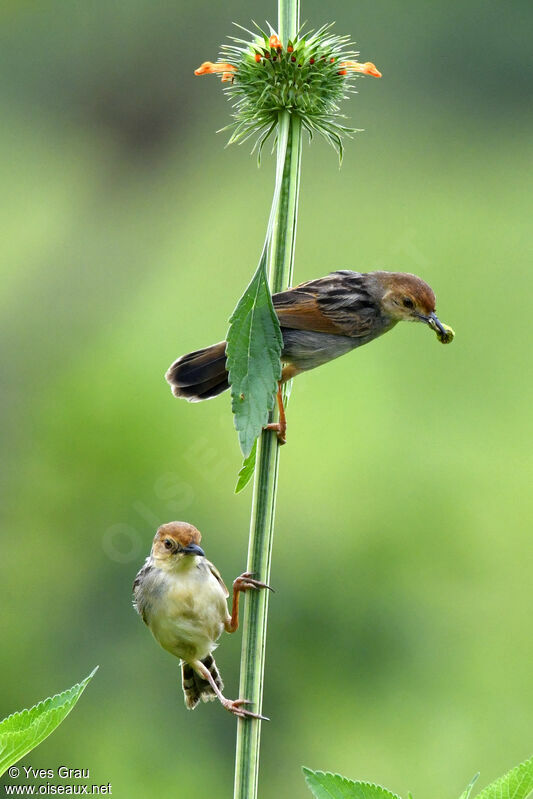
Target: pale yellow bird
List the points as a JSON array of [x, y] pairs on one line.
[[182, 598]]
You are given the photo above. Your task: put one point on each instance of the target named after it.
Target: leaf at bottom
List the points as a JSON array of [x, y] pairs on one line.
[[23, 731], [324, 785]]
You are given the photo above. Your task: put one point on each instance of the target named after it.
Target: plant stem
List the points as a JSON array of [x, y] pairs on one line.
[[281, 259], [288, 19]]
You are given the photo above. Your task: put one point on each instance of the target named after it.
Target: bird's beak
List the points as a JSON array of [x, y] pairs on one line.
[[433, 321], [435, 324], [193, 549], [444, 333]]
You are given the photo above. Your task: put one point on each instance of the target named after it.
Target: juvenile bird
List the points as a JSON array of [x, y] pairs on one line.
[[181, 597], [319, 320]]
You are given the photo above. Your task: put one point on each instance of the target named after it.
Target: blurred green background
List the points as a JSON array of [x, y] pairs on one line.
[[400, 643]]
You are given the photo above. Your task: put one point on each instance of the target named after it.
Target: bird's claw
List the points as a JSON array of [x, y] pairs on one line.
[[245, 582], [280, 429], [234, 706]]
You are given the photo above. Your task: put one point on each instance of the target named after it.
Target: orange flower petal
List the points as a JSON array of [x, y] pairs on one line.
[[368, 68], [208, 68], [274, 42], [371, 69], [257, 57], [204, 68]]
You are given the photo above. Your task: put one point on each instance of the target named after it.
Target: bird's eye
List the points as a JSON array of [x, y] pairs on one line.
[[168, 543], [408, 303]]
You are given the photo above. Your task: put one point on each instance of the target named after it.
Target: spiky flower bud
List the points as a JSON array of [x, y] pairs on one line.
[[309, 76]]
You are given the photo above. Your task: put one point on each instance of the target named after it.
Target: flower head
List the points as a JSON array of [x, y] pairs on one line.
[[308, 76]]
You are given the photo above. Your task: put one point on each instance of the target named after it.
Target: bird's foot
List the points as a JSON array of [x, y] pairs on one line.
[[245, 582], [280, 429], [235, 706]]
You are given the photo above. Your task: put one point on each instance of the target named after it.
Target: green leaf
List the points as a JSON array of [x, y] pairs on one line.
[[324, 785], [23, 731], [253, 358], [516, 784], [467, 791], [247, 470]]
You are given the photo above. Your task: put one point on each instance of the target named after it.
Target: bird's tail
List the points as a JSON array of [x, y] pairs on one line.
[[199, 375], [195, 687]]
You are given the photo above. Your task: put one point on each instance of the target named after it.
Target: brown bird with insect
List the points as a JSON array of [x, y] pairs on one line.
[[320, 320]]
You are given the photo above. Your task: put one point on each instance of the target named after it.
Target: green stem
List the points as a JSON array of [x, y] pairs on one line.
[[288, 19], [281, 259]]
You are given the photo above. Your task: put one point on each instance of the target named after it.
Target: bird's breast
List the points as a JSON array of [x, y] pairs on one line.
[[187, 616], [307, 349]]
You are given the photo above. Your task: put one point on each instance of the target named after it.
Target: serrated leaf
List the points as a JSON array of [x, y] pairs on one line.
[[254, 344], [247, 470], [516, 784], [325, 785], [468, 790], [23, 731]]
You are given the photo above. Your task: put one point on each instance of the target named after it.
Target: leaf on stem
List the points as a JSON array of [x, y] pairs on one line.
[[324, 785], [247, 470], [23, 731], [254, 345]]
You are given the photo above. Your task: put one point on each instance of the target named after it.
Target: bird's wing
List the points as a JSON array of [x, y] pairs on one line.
[[215, 572], [338, 303], [138, 595]]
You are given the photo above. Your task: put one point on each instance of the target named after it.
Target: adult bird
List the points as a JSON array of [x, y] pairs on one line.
[[320, 320]]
